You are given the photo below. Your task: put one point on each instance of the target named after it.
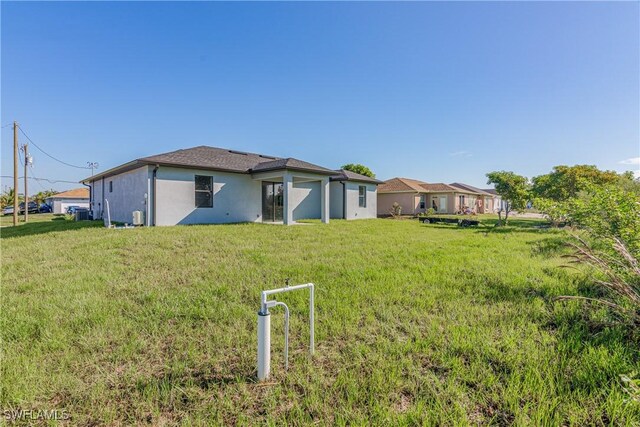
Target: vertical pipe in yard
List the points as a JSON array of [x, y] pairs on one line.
[[264, 345], [311, 328]]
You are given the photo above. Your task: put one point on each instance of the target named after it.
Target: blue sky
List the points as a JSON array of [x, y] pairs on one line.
[[441, 92]]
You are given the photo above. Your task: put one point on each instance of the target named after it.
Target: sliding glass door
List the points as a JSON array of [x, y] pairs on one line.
[[272, 201]]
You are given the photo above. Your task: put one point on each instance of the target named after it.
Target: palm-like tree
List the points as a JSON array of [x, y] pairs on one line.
[[6, 199]]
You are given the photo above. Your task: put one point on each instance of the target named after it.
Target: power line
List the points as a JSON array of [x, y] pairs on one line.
[[49, 180], [49, 155], [33, 174]]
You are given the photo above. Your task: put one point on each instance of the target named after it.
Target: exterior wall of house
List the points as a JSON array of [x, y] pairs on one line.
[[306, 200], [59, 206], [236, 198], [488, 204], [336, 200], [95, 204], [436, 196], [406, 200], [125, 194], [469, 201], [354, 211]]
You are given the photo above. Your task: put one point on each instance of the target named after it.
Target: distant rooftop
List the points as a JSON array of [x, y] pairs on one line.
[[76, 193], [345, 175]]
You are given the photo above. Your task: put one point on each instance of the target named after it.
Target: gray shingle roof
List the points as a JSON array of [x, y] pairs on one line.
[[345, 175], [210, 158], [205, 157], [290, 163]]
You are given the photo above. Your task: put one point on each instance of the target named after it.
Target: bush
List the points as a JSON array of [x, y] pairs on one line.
[[396, 210], [557, 213], [610, 219]]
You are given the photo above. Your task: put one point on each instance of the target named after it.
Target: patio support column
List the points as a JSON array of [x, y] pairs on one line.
[[287, 209], [324, 200]]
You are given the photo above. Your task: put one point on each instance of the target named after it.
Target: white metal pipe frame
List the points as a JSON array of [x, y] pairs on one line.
[[264, 327]]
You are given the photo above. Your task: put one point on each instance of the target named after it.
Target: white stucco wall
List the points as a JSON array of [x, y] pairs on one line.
[[236, 198], [354, 211], [128, 195], [306, 200]]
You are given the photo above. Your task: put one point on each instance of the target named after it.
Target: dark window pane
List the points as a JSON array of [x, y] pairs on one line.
[[203, 199], [204, 191], [203, 183]]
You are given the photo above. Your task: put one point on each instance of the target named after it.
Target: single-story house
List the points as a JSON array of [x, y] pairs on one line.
[[415, 197], [498, 203], [479, 200], [209, 185], [61, 201]]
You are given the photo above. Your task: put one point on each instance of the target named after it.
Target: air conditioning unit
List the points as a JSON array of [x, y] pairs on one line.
[[138, 218]]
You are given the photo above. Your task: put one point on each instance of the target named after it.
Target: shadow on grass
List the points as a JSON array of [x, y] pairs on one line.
[[550, 247], [486, 227], [56, 224]]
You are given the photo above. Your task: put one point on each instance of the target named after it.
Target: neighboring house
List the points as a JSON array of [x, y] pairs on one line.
[[498, 203], [61, 201], [415, 196], [479, 200], [208, 185]]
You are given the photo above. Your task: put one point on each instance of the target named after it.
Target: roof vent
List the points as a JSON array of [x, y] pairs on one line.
[[238, 152], [267, 157]]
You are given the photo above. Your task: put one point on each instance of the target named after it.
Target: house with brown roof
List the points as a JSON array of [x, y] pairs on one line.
[[210, 185], [61, 201], [415, 197], [479, 200]]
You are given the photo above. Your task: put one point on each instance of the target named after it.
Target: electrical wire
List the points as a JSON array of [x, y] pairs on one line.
[[49, 155], [33, 174], [49, 180]]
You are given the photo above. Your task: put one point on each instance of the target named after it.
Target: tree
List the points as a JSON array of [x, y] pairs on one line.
[[565, 182], [358, 168], [513, 188], [6, 199], [41, 196]]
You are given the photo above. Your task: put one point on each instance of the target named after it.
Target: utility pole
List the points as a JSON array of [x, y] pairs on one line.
[[15, 173], [93, 165], [26, 192]]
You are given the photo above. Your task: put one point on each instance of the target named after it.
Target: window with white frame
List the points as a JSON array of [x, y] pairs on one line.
[[362, 196], [423, 201]]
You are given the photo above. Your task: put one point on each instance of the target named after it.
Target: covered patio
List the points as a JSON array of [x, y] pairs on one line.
[[293, 190]]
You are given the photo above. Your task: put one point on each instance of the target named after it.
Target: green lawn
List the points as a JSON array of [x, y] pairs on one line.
[[415, 324]]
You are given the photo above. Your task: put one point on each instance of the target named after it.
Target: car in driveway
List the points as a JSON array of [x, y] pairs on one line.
[[45, 208], [33, 207], [8, 210]]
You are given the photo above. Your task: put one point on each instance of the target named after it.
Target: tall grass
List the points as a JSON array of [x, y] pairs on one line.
[[416, 324]]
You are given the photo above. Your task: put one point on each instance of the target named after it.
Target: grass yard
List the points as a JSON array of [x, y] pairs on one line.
[[415, 324]]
